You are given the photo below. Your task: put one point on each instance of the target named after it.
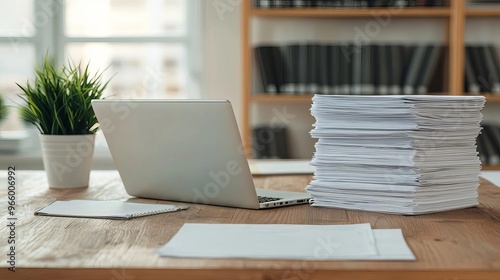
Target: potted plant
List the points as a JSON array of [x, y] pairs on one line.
[[58, 103], [3, 109]]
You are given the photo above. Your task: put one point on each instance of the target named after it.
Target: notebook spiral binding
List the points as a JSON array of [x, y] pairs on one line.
[[135, 215]]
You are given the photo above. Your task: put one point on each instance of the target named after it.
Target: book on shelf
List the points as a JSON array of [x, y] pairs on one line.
[[367, 80], [482, 69], [312, 71], [413, 70], [492, 63], [302, 71], [292, 53], [270, 142], [382, 77], [345, 68], [425, 74], [277, 4], [477, 66], [356, 69], [471, 85], [481, 150], [395, 66], [265, 65], [488, 144]]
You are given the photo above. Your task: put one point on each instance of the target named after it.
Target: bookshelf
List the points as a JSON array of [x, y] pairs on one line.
[[481, 12], [454, 16], [350, 13]]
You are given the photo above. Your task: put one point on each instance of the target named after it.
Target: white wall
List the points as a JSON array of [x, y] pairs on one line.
[[222, 48], [222, 62]]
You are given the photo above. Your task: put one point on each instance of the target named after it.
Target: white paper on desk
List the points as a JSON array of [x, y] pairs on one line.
[[280, 167], [391, 245], [492, 176], [299, 242]]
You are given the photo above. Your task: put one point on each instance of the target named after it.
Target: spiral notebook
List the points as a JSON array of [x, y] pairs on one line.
[[100, 209]]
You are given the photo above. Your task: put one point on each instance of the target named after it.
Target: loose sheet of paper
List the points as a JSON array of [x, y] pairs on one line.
[[277, 167], [299, 242], [492, 176]]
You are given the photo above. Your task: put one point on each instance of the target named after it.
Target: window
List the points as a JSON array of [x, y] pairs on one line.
[[17, 52], [143, 44], [149, 47]]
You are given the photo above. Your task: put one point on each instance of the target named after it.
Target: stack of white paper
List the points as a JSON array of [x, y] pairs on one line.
[[396, 154], [298, 242]]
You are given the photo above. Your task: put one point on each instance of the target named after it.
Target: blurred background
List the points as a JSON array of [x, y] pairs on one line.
[[193, 49]]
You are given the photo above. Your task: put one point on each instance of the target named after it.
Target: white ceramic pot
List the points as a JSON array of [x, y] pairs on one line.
[[67, 159]]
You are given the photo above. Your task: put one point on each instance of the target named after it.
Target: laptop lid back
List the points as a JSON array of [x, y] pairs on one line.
[[181, 150]]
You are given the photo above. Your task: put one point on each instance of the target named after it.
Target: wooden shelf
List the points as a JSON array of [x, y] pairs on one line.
[[265, 98], [492, 97], [340, 12], [483, 12], [490, 167]]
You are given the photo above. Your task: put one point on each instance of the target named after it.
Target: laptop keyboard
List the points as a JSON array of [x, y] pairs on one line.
[[263, 199]]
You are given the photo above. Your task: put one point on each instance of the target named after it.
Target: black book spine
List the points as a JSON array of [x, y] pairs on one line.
[[324, 71], [335, 69], [470, 77], [493, 133], [295, 68], [290, 81], [397, 64], [366, 70], [261, 139], [479, 71], [302, 84], [278, 67], [493, 67], [483, 157], [264, 3], [413, 71], [345, 68], [496, 60], [312, 68], [489, 145], [299, 3], [356, 63], [383, 70], [278, 145], [261, 66]]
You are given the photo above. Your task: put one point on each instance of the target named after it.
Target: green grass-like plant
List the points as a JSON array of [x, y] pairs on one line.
[[3, 109], [58, 101]]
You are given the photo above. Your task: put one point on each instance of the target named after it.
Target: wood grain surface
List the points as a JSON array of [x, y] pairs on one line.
[[461, 244]]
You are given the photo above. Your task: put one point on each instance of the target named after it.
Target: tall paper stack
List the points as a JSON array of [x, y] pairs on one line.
[[396, 154]]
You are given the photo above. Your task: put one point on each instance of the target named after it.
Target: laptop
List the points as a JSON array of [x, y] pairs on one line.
[[184, 150]]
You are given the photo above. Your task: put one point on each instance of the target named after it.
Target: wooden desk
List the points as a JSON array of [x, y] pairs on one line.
[[462, 244]]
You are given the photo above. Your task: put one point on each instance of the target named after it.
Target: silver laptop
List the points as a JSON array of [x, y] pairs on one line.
[[183, 150]]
